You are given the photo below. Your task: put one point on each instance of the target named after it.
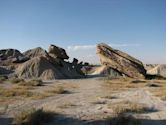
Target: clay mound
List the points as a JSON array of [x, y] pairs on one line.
[[159, 70], [44, 68], [36, 52], [120, 61], [38, 67]]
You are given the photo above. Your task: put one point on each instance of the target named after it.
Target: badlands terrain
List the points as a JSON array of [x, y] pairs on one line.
[[40, 87]]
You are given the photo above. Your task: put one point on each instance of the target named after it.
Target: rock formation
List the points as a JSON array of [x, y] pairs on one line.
[[158, 70], [36, 52], [6, 54], [48, 65], [120, 61], [10, 56], [57, 52]]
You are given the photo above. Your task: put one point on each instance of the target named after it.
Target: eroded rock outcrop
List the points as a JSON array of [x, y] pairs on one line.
[[6, 54], [57, 52], [48, 65], [9, 56], [120, 61], [158, 70], [36, 52]]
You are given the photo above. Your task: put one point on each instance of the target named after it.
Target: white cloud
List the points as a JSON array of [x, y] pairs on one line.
[[80, 47], [88, 47]]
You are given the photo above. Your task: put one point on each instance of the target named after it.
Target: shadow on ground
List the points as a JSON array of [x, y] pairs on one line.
[[65, 120], [60, 119]]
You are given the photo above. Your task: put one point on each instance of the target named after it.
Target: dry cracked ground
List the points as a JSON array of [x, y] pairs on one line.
[[91, 101]]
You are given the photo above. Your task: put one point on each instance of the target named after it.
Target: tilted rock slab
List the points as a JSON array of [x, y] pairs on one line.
[[120, 61]]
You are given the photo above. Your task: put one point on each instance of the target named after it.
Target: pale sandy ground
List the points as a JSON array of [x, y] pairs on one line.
[[86, 105]]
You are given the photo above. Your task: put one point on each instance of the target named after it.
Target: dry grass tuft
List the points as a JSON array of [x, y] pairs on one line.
[[33, 82], [160, 92], [16, 80], [7, 94], [57, 90], [128, 107], [33, 117], [67, 105], [3, 78], [14, 91], [122, 119]]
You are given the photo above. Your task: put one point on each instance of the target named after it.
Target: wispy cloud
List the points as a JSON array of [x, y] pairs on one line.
[[81, 47], [87, 47]]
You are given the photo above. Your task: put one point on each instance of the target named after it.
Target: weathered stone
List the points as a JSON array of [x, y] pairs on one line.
[[57, 52], [75, 61], [120, 61]]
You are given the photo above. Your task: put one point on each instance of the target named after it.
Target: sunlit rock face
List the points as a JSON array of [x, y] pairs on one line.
[[120, 61]]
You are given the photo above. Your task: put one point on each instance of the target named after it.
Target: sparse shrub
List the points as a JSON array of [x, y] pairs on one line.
[[152, 85], [16, 80], [33, 117], [99, 102], [122, 119], [160, 92], [34, 82], [67, 105], [12, 92], [128, 107], [3, 78], [138, 81], [58, 90], [163, 98], [3, 109]]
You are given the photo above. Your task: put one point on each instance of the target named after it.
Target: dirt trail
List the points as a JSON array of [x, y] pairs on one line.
[[86, 104]]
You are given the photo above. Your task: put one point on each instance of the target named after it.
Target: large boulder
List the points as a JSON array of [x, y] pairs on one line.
[[120, 61], [57, 52], [158, 70]]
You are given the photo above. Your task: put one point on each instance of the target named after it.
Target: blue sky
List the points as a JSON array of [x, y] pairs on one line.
[[137, 27]]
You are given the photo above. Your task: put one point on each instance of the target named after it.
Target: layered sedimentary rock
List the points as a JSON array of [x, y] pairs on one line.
[[120, 61]]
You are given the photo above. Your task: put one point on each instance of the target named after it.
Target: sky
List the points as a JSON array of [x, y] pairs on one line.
[[137, 27]]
